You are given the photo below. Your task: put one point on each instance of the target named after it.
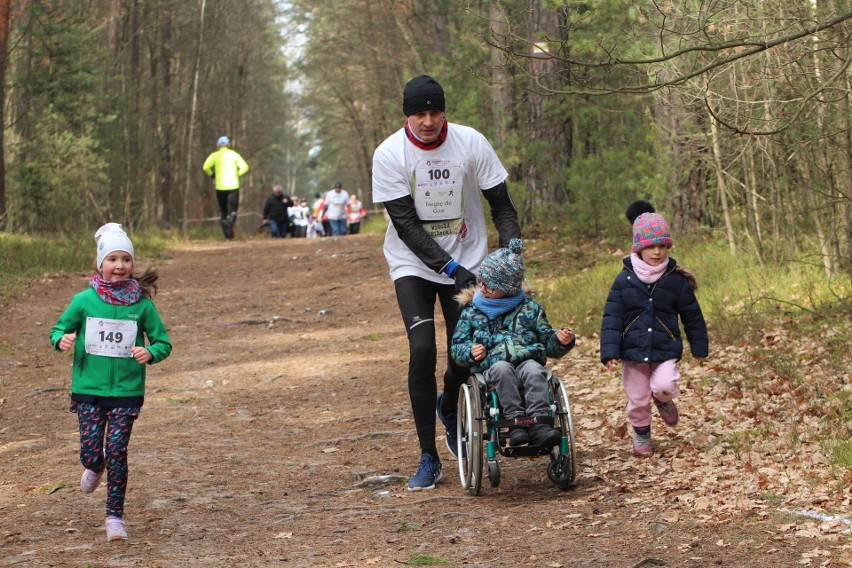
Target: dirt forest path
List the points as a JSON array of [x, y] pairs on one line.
[[263, 435]]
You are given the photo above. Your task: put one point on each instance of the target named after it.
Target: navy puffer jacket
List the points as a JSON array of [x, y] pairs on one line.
[[640, 321]]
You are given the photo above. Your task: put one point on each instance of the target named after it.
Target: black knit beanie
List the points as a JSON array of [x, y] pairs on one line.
[[422, 93]]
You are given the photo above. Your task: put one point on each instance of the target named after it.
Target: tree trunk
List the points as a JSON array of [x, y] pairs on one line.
[[825, 167], [750, 180], [720, 181], [190, 128], [845, 151], [5, 15], [547, 133], [133, 80], [501, 79]]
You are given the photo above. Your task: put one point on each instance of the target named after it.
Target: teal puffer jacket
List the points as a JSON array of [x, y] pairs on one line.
[[517, 336]]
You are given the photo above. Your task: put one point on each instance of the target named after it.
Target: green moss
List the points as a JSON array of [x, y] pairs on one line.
[[423, 559]]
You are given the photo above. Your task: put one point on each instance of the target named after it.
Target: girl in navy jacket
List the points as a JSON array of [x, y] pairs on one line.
[[640, 327]]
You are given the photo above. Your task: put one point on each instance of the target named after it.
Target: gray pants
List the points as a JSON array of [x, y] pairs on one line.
[[506, 379]]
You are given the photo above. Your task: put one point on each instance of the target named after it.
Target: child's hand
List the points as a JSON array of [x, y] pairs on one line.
[[477, 352], [565, 336], [612, 364], [141, 355], [67, 341]]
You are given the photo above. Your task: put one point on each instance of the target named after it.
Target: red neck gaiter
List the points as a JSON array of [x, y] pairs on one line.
[[427, 145]]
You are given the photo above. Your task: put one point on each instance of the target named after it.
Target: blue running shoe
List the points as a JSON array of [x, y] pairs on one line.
[[428, 474], [449, 422]]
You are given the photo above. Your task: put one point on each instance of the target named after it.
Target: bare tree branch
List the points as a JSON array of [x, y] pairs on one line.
[[802, 107], [742, 48]]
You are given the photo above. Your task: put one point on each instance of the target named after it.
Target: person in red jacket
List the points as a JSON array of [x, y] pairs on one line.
[[355, 214]]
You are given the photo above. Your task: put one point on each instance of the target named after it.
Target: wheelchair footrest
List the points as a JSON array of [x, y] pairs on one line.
[[524, 451], [523, 421]]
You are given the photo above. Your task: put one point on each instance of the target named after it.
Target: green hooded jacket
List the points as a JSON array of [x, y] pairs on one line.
[[99, 375]]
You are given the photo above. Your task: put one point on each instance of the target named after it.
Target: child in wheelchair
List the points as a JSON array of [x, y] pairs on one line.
[[504, 334]]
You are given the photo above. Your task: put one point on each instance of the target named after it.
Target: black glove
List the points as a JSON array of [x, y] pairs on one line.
[[464, 278]]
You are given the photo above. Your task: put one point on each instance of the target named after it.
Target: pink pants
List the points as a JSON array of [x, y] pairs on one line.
[[644, 380]]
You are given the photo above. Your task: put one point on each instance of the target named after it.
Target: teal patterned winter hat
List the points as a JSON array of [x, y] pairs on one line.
[[650, 229], [504, 268]]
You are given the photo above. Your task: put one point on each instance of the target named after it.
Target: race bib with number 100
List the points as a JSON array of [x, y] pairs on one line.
[[439, 197], [110, 337]]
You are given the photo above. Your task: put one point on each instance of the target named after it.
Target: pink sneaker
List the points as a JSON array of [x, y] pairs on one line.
[[668, 412], [90, 480], [642, 445], [115, 529]]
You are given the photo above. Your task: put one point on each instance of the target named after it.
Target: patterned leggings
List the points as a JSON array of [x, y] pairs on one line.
[[116, 424]]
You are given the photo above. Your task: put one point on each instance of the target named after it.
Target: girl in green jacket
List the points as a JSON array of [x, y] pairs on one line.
[[112, 318]]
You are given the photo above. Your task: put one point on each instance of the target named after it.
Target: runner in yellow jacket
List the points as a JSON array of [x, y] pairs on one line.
[[226, 166]]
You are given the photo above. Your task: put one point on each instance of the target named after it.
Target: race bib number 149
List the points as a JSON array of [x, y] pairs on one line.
[[110, 337]]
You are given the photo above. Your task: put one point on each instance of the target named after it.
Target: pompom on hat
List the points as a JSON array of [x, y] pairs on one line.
[[421, 94], [110, 238], [637, 207], [650, 229], [504, 268]]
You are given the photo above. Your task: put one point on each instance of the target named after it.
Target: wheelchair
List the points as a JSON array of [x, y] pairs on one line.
[[483, 435]]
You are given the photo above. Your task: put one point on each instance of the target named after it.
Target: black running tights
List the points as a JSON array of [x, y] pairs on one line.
[[416, 298]]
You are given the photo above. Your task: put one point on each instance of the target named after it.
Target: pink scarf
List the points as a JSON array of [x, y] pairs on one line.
[[124, 292], [647, 273]]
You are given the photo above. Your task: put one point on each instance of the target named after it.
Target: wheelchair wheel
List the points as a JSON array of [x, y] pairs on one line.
[[493, 471], [469, 426], [563, 467]]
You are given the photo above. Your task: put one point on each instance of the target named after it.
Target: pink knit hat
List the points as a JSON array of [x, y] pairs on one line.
[[650, 229]]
